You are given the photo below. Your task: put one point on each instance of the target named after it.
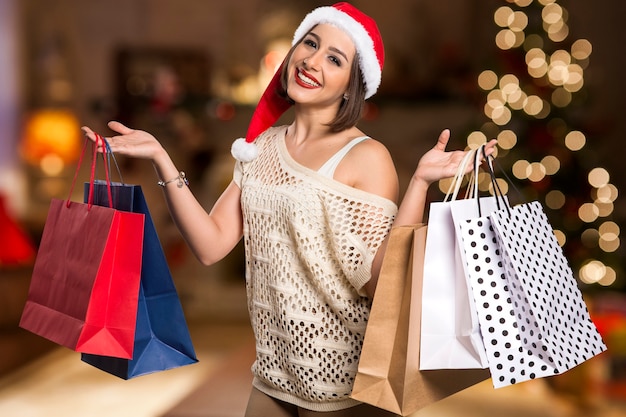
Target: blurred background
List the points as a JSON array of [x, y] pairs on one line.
[[545, 77]]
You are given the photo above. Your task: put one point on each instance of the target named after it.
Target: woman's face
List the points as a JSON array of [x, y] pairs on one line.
[[319, 68]]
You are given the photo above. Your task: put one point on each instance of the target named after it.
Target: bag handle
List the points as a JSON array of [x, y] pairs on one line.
[[510, 182], [457, 180], [110, 155], [99, 141], [105, 153], [497, 191]]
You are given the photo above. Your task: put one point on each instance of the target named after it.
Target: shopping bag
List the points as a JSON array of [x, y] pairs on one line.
[[388, 374], [533, 317], [554, 321], [85, 283], [509, 361], [162, 339], [450, 329]]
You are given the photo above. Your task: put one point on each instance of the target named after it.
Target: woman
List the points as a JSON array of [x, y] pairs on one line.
[[314, 202]]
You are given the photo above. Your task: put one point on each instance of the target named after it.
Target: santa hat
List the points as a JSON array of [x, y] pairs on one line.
[[363, 31]]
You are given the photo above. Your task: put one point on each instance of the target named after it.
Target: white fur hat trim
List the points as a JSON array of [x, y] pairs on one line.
[[370, 67]]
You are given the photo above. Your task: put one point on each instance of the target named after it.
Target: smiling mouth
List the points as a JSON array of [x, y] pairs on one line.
[[305, 80]]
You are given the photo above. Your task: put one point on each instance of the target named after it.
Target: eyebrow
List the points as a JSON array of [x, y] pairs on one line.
[[332, 48]]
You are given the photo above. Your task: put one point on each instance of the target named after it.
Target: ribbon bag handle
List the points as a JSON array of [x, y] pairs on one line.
[[497, 191], [455, 186], [99, 141], [110, 155]]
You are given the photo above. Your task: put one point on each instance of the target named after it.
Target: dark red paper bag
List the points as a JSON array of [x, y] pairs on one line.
[[85, 284]]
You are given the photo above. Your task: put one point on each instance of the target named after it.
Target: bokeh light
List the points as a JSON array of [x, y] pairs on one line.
[[555, 73]]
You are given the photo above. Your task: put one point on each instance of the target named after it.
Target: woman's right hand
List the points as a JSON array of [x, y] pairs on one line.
[[130, 142], [438, 163]]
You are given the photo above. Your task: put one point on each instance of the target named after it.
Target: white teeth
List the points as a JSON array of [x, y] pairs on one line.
[[307, 80]]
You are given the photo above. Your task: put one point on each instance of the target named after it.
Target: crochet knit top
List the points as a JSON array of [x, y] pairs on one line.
[[309, 246]]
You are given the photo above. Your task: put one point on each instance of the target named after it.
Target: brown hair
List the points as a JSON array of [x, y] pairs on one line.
[[350, 109]]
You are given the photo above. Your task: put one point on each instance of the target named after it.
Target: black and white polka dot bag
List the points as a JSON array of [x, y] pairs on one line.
[[509, 361], [552, 316], [533, 319]]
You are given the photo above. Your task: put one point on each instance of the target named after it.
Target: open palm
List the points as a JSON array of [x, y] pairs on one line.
[[438, 163], [130, 142]]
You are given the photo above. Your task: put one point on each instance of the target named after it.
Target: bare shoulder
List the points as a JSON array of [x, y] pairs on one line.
[[369, 167]]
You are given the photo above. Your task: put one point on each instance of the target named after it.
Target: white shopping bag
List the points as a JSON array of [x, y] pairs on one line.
[[450, 334]]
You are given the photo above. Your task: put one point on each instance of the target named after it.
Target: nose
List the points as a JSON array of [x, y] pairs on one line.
[[312, 61]]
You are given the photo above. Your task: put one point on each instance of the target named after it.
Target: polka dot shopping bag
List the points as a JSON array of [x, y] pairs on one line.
[[533, 319]]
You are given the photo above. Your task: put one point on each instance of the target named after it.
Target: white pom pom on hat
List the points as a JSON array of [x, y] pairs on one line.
[[369, 46], [244, 151]]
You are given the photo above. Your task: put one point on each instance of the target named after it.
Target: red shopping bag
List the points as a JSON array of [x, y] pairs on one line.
[[85, 283]]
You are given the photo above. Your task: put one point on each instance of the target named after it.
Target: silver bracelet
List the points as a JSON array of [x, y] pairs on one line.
[[181, 178]]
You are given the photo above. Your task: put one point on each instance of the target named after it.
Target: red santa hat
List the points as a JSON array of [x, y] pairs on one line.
[[363, 31]]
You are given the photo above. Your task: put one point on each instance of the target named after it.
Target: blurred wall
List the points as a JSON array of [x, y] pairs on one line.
[[11, 181], [9, 80]]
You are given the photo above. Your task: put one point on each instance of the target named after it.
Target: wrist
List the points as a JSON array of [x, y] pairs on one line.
[[161, 159], [419, 184], [164, 167], [180, 179]]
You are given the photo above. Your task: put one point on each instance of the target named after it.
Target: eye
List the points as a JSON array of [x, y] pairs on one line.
[[310, 42], [335, 60]]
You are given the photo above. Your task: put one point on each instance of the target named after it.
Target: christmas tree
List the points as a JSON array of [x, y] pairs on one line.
[[535, 94]]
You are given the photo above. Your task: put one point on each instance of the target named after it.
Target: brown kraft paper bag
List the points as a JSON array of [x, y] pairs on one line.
[[388, 375]]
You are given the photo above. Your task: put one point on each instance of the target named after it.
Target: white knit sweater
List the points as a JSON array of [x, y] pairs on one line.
[[309, 246]]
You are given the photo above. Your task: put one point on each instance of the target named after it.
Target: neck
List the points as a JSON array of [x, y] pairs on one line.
[[309, 124]]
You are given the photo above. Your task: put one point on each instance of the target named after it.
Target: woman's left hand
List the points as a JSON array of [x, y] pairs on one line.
[[438, 163]]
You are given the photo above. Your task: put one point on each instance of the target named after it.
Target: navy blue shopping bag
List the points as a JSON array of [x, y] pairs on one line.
[[162, 339]]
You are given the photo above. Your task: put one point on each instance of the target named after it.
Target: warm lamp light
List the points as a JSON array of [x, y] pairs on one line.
[[51, 140]]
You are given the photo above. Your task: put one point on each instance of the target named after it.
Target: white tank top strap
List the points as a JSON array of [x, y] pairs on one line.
[[328, 169]]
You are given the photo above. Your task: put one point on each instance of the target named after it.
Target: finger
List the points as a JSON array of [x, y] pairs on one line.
[[89, 133], [120, 128], [443, 139], [489, 150], [490, 147]]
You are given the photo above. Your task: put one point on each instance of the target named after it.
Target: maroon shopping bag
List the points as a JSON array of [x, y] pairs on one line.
[[85, 283]]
